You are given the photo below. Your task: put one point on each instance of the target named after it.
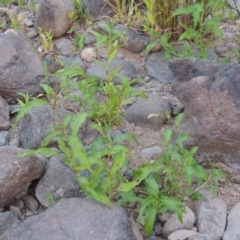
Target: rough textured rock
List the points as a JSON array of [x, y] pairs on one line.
[[173, 224], [89, 54], [30, 202], [7, 221], [98, 8], [37, 123], [157, 67], [64, 46], [4, 115], [138, 113], [151, 152], [21, 69], [211, 217], [17, 173], [135, 42], [76, 219], [188, 235], [52, 16], [212, 117], [3, 137], [185, 69], [233, 231], [126, 69], [58, 180]]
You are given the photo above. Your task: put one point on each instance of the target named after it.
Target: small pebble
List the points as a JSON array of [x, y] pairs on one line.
[[30, 202], [89, 54], [164, 217], [158, 229], [18, 203], [15, 210]]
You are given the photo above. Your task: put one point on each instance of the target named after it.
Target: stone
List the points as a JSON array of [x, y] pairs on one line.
[[15, 210], [158, 229], [188, 235], [72, 61], [89, 54], [3, 137], [173, 224], [212, 117], [233, 231], [76, 219], [135, 42], [8, 220], [126, 69], [17, 203], [151, 152], [52, 16], [32, 34], [17, 173], [59, 181], [37, 122], [211, 217], [4, 115], [98, 8], [157, 67], [63, 45], [139, 112], [30, 202], [21, 69], [164, 217], [185, 69]]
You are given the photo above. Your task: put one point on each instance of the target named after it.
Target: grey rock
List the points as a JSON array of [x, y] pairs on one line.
[[89, 39], [3, 137], [189, 235], [185, 69], [17, 203], [63, 45], [2, 209], [8, 220], [17, 173], [98, 8], [30, 202], [151, 152], [157, 67], [221, 50], [211, 109], [72, 60], [233, 231], [76, 219], [152, 238], [21, 69], [173, 224], [59, 180], [52, 16], [4, 115], [32, 34], [164, 217], [89, 54], [139, 112], [15, 210], [134, 41], [158, 229], [211, 217], [126, 69], [28, 22]]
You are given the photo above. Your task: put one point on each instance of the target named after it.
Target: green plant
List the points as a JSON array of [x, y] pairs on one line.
[[31, 6], [79, 41], [16, 21], [161, 186], [20, 3], [6, 2], [46, 40]]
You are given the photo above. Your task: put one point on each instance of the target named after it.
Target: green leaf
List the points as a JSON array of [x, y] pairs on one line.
[[150, 219], [67, 119], [46, 152], [149, 47], [50, 136], [178, 119], [128, 197], [152, 186], [48, 90], [167, 136], [126, 187], [181, 139], [125, 136], [118, 162], [146, 203], [98, 196], [76, 122]]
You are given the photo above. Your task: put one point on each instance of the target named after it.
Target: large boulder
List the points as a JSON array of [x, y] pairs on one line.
[[21, 69], [212, 116], [17, 173], [53, 16], [76, 219]]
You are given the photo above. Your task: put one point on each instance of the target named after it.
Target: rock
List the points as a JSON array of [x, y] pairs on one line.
[[52, 16], [151, 152], [211, 217], [59, 181], [17, 173], [17, 203], [98, 8], [185, 69], [212, 117], [21, 69], [63, 45], [157, 67], [76, 219], [3, 137], [173, 224], [139, 112], [32, 34], [134, 41], [164, 217], [15, 210], [28, 22], [126, 69], [4, 115], [8, 221], [158, 229], [72, 60], [30, 202], [89, 54], [233, 231], [188, 235]]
